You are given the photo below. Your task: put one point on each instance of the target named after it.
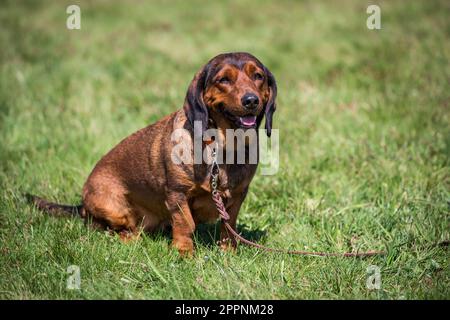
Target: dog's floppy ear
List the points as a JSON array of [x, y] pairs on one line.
[[271, 104], [194, 106]]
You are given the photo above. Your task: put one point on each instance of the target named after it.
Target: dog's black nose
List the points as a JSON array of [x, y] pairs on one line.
[[250, 101]]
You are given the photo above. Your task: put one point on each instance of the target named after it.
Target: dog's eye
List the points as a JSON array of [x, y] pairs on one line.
[[223, 80], [258, 76]]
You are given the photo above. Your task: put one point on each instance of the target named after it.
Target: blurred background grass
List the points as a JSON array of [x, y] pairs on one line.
[[364, 144]]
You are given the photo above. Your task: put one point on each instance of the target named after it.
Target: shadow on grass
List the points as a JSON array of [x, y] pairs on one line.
[[208, 235]]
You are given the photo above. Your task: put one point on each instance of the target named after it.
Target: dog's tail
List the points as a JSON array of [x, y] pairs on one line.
[[55, 209]]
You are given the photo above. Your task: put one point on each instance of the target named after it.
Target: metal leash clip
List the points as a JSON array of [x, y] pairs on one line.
[[214, 170]]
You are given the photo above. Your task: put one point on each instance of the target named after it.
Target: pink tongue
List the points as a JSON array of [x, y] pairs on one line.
[[248, 120]]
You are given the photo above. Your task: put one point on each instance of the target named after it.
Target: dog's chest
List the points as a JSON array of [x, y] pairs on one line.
[[232, 177], [235, 177], [233, 180]]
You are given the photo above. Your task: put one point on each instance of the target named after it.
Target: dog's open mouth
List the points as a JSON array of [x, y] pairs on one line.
[[247, 121]]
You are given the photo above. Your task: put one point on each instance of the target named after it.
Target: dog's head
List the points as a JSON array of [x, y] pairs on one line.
[[236, 87]]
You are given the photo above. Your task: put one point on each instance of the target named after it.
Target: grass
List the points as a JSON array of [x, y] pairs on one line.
[[364, 145]]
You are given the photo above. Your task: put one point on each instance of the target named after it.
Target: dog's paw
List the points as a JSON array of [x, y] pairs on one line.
[[228, 244], [127, 236], [185, 248]]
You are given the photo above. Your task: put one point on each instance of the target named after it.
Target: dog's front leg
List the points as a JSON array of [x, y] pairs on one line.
[[183, 225], [227, 240]]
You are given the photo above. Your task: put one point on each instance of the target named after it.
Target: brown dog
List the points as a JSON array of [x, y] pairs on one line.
[[138, 186]]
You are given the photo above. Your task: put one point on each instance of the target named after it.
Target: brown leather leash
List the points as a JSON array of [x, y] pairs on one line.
[[224, 216]]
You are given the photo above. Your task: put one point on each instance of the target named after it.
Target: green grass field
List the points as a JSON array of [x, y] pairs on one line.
[[364, 145]]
